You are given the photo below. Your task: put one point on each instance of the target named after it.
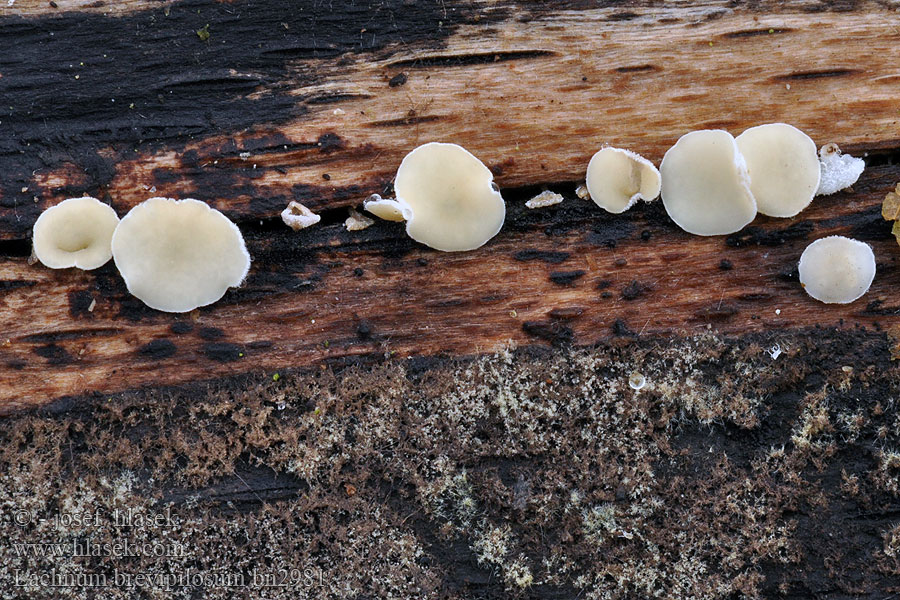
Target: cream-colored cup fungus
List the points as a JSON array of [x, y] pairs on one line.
[[617, 178], [839, 171], [447, 197], [178, 255], [783, 166], [836, 269], [705, 184], [297, 217], [385, 208], [75, 233]]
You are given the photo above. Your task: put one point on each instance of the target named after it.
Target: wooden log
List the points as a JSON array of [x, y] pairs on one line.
[[342, 413], [267, 110]]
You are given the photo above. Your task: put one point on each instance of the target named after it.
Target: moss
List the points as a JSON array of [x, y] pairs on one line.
[[530, 472]]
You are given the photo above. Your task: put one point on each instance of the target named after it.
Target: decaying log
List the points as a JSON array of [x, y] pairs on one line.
[[272, 108], [398, 422]]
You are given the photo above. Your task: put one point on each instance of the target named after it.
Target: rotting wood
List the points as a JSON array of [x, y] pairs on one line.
[[261, 112], [309, 294], [533, 92]]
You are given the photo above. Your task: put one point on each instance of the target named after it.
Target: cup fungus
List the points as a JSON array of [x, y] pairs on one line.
[[836, 269], [447, 197], [297, 217], [705, 184], [617, 178], [177, 255], [387, 209], [839, 171], [783, 167], [75, 233]]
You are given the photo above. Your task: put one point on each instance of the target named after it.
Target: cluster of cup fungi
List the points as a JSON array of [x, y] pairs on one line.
[[711, 183]]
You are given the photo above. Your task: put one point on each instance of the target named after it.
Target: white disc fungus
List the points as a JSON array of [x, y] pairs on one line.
[[387, 209], [783, 168], [178, 255], [617, 178], [836, 269], [297, 217], [447, 197], [75, 233], [839, 171], [705, 185]]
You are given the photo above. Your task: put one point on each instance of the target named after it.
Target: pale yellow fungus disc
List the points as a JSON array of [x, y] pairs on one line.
[[836, 269], [705, 185], [449, 198], [783, 166], [177, 255], [75, 233]]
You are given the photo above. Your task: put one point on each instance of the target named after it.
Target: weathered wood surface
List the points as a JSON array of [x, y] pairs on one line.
[[736, 472], [148, 108]]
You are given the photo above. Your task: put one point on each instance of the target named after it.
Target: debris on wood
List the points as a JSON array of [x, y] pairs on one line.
[[544, 199], [297, 217], [357, 221]]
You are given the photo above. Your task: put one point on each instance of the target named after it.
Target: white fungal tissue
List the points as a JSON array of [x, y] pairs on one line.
[[544, 199], [705, 184], [75, 233], [178, 255], [839, 171], [617, 178], [783, 167], [297, 217], [447, 198], [836, 269]]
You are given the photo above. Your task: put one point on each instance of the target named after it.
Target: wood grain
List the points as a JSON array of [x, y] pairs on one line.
[[533, 92]]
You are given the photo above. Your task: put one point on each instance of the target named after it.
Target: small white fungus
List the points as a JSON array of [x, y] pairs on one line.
[[544, 199], [297, 217], [357, 222], [75, 233], [617, 178], [582, 192], [705, 184], [783, 168], [836, 269], [178, 255], [447, 197], [386, 208], [839, 171]]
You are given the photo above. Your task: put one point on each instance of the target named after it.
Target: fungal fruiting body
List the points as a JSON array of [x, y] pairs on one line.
[[783, 167], [447, 197], [387, 209], [544, 199], [357, 222], [617, 178], [178, 255], [836, 269], [839, 171], [705, 184], [75, 233], [297, 217]]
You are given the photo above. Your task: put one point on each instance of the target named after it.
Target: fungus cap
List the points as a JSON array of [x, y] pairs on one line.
[[783, 167], [705, 185], [617, 178], [387, 209], [178, 255], [448, 198], [836, 269], [75, 233]]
